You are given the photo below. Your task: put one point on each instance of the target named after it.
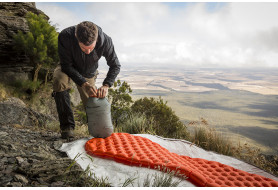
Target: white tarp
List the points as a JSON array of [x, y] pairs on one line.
[[117, 173]]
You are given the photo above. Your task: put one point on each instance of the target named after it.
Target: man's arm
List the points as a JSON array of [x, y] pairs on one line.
[[112, 61], [114, 66], [66, 59]]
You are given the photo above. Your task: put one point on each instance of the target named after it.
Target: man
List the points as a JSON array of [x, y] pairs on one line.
[[80, 47]]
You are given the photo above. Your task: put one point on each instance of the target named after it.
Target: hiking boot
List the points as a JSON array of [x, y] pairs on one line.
[[67, 134]]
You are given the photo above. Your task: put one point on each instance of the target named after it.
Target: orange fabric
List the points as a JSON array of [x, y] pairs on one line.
[[140, 151]]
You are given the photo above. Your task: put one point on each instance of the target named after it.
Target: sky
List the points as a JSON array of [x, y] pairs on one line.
[[205, 34]]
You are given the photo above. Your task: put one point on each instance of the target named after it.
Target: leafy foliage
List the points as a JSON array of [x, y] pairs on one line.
[[167, 122], [120, 98], [40, 44], [146, 115]]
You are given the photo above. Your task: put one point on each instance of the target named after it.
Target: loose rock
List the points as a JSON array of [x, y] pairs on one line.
[[19, 160], [15, 184], [21, 178], [57, 184]]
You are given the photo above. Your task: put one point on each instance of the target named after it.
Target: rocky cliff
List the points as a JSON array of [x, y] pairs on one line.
[[12, 19]]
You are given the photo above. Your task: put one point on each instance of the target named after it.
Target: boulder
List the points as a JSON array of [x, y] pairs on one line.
[[14, 111]]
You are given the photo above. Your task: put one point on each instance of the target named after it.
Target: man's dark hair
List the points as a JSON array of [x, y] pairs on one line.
[[86, 32]]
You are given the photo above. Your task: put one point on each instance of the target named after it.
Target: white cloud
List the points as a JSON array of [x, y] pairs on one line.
[[59, 16], [238, 34]]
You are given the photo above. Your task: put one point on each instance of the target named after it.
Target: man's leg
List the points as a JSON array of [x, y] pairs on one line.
[[61, 87], [83, 94]]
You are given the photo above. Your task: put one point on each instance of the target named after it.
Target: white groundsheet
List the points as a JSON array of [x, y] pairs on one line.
[[117, 173]]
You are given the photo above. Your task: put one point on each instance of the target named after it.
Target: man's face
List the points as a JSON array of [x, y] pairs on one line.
[[87, 49]]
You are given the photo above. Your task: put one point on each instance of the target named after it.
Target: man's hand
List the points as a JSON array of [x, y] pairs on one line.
[[102, 91], [91, 91]]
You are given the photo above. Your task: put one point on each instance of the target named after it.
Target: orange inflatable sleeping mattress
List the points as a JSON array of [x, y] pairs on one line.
[[140, 151]]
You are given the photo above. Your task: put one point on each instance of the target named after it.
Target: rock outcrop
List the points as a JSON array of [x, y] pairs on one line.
[[14, 111], [12, 19]]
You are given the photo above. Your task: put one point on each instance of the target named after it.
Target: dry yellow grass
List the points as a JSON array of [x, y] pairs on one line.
[[209, 139]]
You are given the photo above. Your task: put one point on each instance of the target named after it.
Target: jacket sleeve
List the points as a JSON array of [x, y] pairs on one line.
[[112, 61], [66, 59]]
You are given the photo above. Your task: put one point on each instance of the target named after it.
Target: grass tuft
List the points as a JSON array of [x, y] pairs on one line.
[[84, 178], [137, 123], [164, 179], [209, 139]]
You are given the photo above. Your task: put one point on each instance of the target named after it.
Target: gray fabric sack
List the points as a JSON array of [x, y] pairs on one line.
[[98, 112]]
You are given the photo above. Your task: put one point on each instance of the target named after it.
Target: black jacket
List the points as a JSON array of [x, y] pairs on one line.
[[77, 67]]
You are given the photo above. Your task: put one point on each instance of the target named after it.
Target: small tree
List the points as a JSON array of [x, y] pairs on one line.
[[167, 124], [120, 98], [40, 44]]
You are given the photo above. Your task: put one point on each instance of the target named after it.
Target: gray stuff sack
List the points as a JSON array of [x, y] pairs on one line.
[[98, 112]]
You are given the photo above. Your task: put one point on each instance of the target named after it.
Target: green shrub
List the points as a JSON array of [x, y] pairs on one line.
[[40, 44], [167, 123], [119, 96], [157, 114]]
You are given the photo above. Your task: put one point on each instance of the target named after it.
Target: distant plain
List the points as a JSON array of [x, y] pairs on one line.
[[241, 104]]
